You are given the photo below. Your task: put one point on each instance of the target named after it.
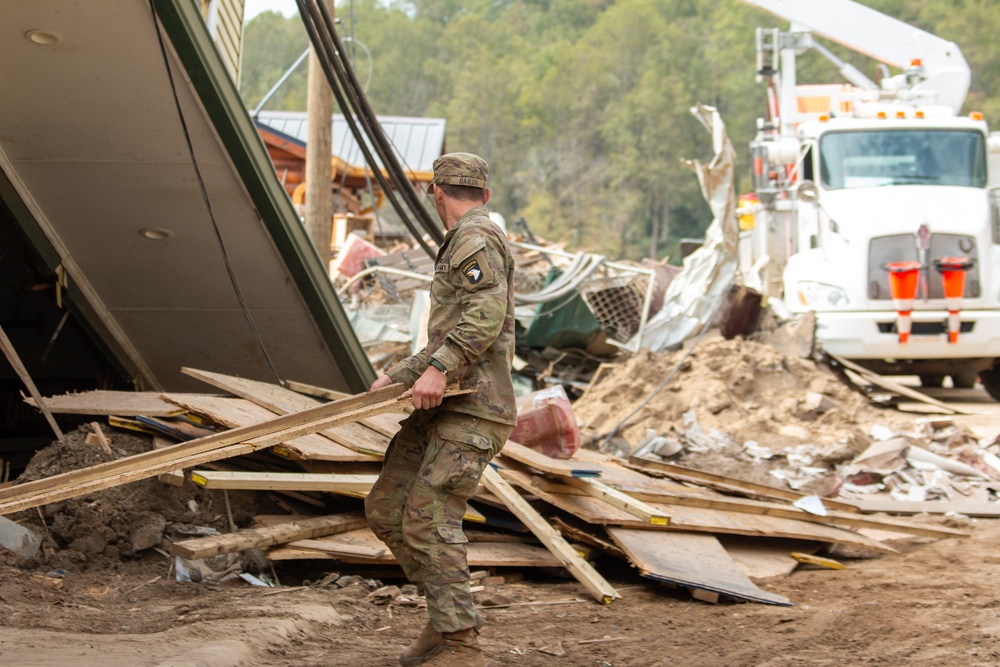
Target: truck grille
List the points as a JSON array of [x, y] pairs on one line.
[[903, 248]]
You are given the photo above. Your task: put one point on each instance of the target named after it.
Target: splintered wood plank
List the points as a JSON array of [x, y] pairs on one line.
[[729, 483], [238, 412], [694, 519], [196, 452], [690, 560], [350, 485], [583, 571], [174, 477], [479, 553], [265, 536], [280, 400], [551, 466], [131, 403]]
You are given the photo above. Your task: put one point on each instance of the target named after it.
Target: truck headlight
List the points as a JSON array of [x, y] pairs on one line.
[[821, 295]]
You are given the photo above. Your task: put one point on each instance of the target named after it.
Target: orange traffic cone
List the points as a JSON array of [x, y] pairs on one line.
[[953, 274], [903, 279]]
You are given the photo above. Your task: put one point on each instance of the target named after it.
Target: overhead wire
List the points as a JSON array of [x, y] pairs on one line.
[[325, 60], [362, 107]]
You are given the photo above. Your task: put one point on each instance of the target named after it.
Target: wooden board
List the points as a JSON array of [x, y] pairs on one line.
[[649, 493], [357, 486], [548, 465], [690, 560], [238, 412], [929, 507], [265, 536], [692, 519], [583, 571], [131, 403], [339, 550], [480, 554], [893, 386], [764, 558], [195, 452], [622, 501], [280, 400], [729, 483]]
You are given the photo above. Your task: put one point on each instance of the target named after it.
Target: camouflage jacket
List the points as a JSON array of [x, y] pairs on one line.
[[470, 330]]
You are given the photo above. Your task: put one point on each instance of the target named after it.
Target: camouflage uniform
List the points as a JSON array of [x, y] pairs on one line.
[[434, 463]]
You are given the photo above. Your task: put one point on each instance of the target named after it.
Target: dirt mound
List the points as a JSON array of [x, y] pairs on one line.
[[104, 529], [732, 404]]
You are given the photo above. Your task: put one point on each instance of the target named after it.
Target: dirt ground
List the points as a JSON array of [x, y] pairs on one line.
[[934, 604]]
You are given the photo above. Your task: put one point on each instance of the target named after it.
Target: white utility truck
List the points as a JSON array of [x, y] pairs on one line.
[[855, 180]]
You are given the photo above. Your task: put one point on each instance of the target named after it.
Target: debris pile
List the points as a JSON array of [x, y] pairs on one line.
[[311, 455], [745, 409]]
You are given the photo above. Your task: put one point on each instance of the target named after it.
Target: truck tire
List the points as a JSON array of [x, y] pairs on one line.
[[991, 382], [964, 380], [931, 381]]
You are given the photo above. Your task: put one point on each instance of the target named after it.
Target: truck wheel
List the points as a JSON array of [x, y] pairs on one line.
[[991, 382], [964, 380], [931, 380]]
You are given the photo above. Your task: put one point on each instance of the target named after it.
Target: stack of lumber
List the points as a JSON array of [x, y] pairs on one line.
[[317, 453]]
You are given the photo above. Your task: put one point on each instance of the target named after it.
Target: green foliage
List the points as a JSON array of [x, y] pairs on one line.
[[582, 106]]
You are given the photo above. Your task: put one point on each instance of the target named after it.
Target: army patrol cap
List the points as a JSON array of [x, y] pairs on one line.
[[460, 169]]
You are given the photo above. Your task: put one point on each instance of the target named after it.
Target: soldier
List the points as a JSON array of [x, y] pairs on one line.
[[434, 463]]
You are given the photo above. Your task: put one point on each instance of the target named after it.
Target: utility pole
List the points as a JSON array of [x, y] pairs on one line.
[[319, 148]]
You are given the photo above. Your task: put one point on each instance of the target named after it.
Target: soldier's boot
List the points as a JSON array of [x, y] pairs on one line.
[[427, 645], [461, 649]]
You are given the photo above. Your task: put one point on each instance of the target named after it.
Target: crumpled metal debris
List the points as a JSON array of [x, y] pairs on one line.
[[694, 296]]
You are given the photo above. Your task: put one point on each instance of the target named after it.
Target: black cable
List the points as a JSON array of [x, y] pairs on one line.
[[372, 127], [208, 201], [362, 106], [325, 57], [320, 48]]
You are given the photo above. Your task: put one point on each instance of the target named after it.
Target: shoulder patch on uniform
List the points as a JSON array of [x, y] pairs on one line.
[[472, 271], [465, 251]]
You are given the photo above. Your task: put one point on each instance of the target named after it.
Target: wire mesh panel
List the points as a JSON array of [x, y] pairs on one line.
[[618, 303]]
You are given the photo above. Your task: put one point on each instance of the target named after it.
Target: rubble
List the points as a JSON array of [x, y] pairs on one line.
[[671, 522]]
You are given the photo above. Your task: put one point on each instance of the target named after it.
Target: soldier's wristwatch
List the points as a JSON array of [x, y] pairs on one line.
[[438, 365]]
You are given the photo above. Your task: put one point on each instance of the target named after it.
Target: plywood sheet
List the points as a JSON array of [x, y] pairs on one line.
[[764, 558], [125, 403], [237, 412], [358, 436], [690, 560]]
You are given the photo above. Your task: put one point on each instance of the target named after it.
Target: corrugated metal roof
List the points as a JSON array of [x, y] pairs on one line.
[[417, 141]]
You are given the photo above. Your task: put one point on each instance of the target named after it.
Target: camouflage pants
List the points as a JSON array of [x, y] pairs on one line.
[[416, 507]]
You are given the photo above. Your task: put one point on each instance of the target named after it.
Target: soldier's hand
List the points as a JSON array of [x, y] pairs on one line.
[[382, 381], [428, 390]]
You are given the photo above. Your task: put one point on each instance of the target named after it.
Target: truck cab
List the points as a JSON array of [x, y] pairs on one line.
[[897, 190], [859, 183]]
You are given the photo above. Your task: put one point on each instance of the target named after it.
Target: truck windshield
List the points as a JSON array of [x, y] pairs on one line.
[[872, 158]]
